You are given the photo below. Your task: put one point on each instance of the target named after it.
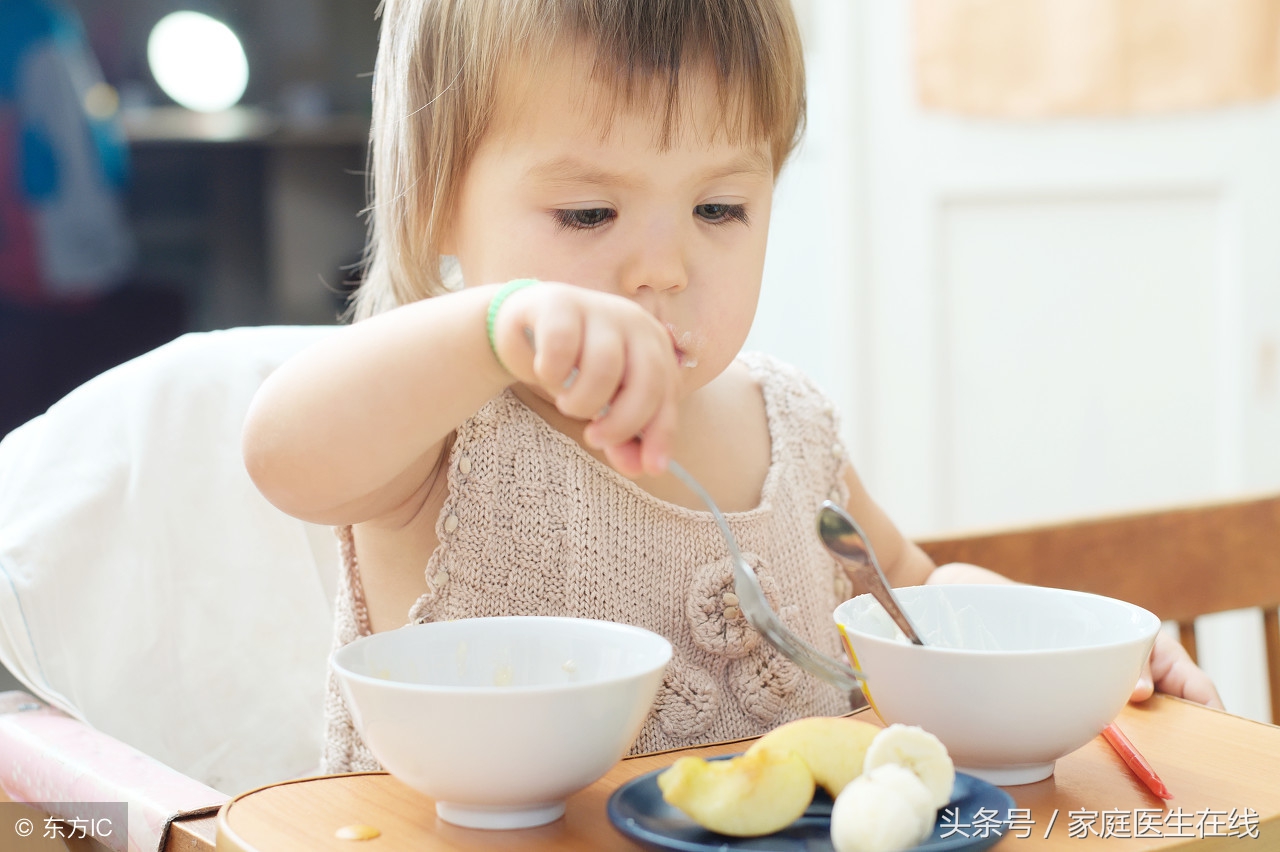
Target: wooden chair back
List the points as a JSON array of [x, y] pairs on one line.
[[1179, 563]]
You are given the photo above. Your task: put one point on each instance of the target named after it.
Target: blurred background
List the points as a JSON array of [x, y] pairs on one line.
[[189, 219], [1031, 247]]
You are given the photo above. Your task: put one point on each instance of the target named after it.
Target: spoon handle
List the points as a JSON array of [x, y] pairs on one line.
[[878, 586], [844, 539]]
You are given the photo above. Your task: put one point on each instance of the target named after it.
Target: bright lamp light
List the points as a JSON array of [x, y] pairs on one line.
[[198, 61]]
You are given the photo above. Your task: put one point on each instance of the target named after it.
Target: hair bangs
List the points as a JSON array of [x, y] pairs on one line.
[[647, 53], [441, 70]]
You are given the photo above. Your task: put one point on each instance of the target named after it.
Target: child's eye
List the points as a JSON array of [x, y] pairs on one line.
[[720, 214], [584, 219]]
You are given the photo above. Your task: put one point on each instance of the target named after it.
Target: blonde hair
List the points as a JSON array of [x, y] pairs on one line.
[[437, 79]]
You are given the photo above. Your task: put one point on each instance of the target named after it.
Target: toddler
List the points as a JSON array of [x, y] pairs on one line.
[[490, 436]]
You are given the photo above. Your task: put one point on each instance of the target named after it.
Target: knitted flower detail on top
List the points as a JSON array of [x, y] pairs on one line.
[[764, 681], [714, 614], [766, 684], [687, 702]]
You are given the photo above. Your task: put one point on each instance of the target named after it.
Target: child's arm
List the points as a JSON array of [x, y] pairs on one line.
[[1169, 668], [903, 562], [351, 429]]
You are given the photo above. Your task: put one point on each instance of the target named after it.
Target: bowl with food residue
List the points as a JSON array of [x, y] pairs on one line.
[[499, 720], [1010, 677]]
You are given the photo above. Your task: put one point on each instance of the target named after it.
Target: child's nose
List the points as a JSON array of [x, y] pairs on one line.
[[657, 262]]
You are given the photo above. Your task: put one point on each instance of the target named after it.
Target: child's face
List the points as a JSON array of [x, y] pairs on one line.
[[556, 194]]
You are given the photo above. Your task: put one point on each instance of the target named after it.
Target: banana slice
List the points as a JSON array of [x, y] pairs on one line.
[[885, 809], [907, 785], [917, 750]]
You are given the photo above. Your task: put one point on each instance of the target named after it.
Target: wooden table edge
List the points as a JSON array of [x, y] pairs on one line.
[[192, 834], [226, 840]]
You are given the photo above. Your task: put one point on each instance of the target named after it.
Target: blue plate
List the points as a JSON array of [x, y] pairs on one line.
[[638, 810]]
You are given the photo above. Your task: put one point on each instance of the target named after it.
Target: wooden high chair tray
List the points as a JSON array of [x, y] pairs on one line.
[[1223, 770]]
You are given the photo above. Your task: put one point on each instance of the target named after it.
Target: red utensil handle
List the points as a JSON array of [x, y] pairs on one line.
[[1135, 761]]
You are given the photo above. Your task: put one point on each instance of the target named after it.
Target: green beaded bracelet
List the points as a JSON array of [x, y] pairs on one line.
[[496, 302]]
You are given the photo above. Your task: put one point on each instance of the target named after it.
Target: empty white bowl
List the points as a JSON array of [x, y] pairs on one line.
[[1011, 677], [501, 719]]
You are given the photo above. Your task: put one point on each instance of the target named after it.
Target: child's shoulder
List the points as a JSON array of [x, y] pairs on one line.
[[802, 423], [784, 383], [778, 399]]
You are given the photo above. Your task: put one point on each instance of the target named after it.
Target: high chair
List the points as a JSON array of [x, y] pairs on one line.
[[148, 592], [1180, 563]]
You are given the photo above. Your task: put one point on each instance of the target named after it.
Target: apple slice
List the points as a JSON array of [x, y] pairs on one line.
[[833, 747], [756, 793]]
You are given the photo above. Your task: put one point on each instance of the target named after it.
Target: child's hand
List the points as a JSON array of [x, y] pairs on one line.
[[600, 358], [1170, 669]]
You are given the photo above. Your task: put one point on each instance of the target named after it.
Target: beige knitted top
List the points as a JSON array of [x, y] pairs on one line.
[[534, 525]]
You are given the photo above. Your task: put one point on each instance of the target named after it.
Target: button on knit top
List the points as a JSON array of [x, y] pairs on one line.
[[534, 525]]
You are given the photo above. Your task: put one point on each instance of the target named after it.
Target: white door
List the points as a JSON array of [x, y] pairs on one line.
[[1033, 320]]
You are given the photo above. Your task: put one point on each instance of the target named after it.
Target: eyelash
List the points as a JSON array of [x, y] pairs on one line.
[[731, 213], [568, 219]]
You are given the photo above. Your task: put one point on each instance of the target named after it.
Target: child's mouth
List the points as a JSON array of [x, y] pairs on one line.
[[682, 343]]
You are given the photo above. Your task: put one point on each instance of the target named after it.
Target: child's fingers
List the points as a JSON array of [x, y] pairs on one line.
[[648, 387], [648, 453], [602, 363], [651, 450], [605, 361], [625, 458], [657, 437], [637, 399], [1172, 671], [557, 344], [1145, 686]]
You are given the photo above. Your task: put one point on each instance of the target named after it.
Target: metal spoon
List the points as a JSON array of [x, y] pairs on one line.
[[847, 542]]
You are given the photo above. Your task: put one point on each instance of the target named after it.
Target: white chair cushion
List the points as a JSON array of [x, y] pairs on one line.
[[145, 585]]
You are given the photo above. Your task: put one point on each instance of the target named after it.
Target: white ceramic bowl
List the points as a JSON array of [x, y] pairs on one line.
[[500, 719], [1011, 677]]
